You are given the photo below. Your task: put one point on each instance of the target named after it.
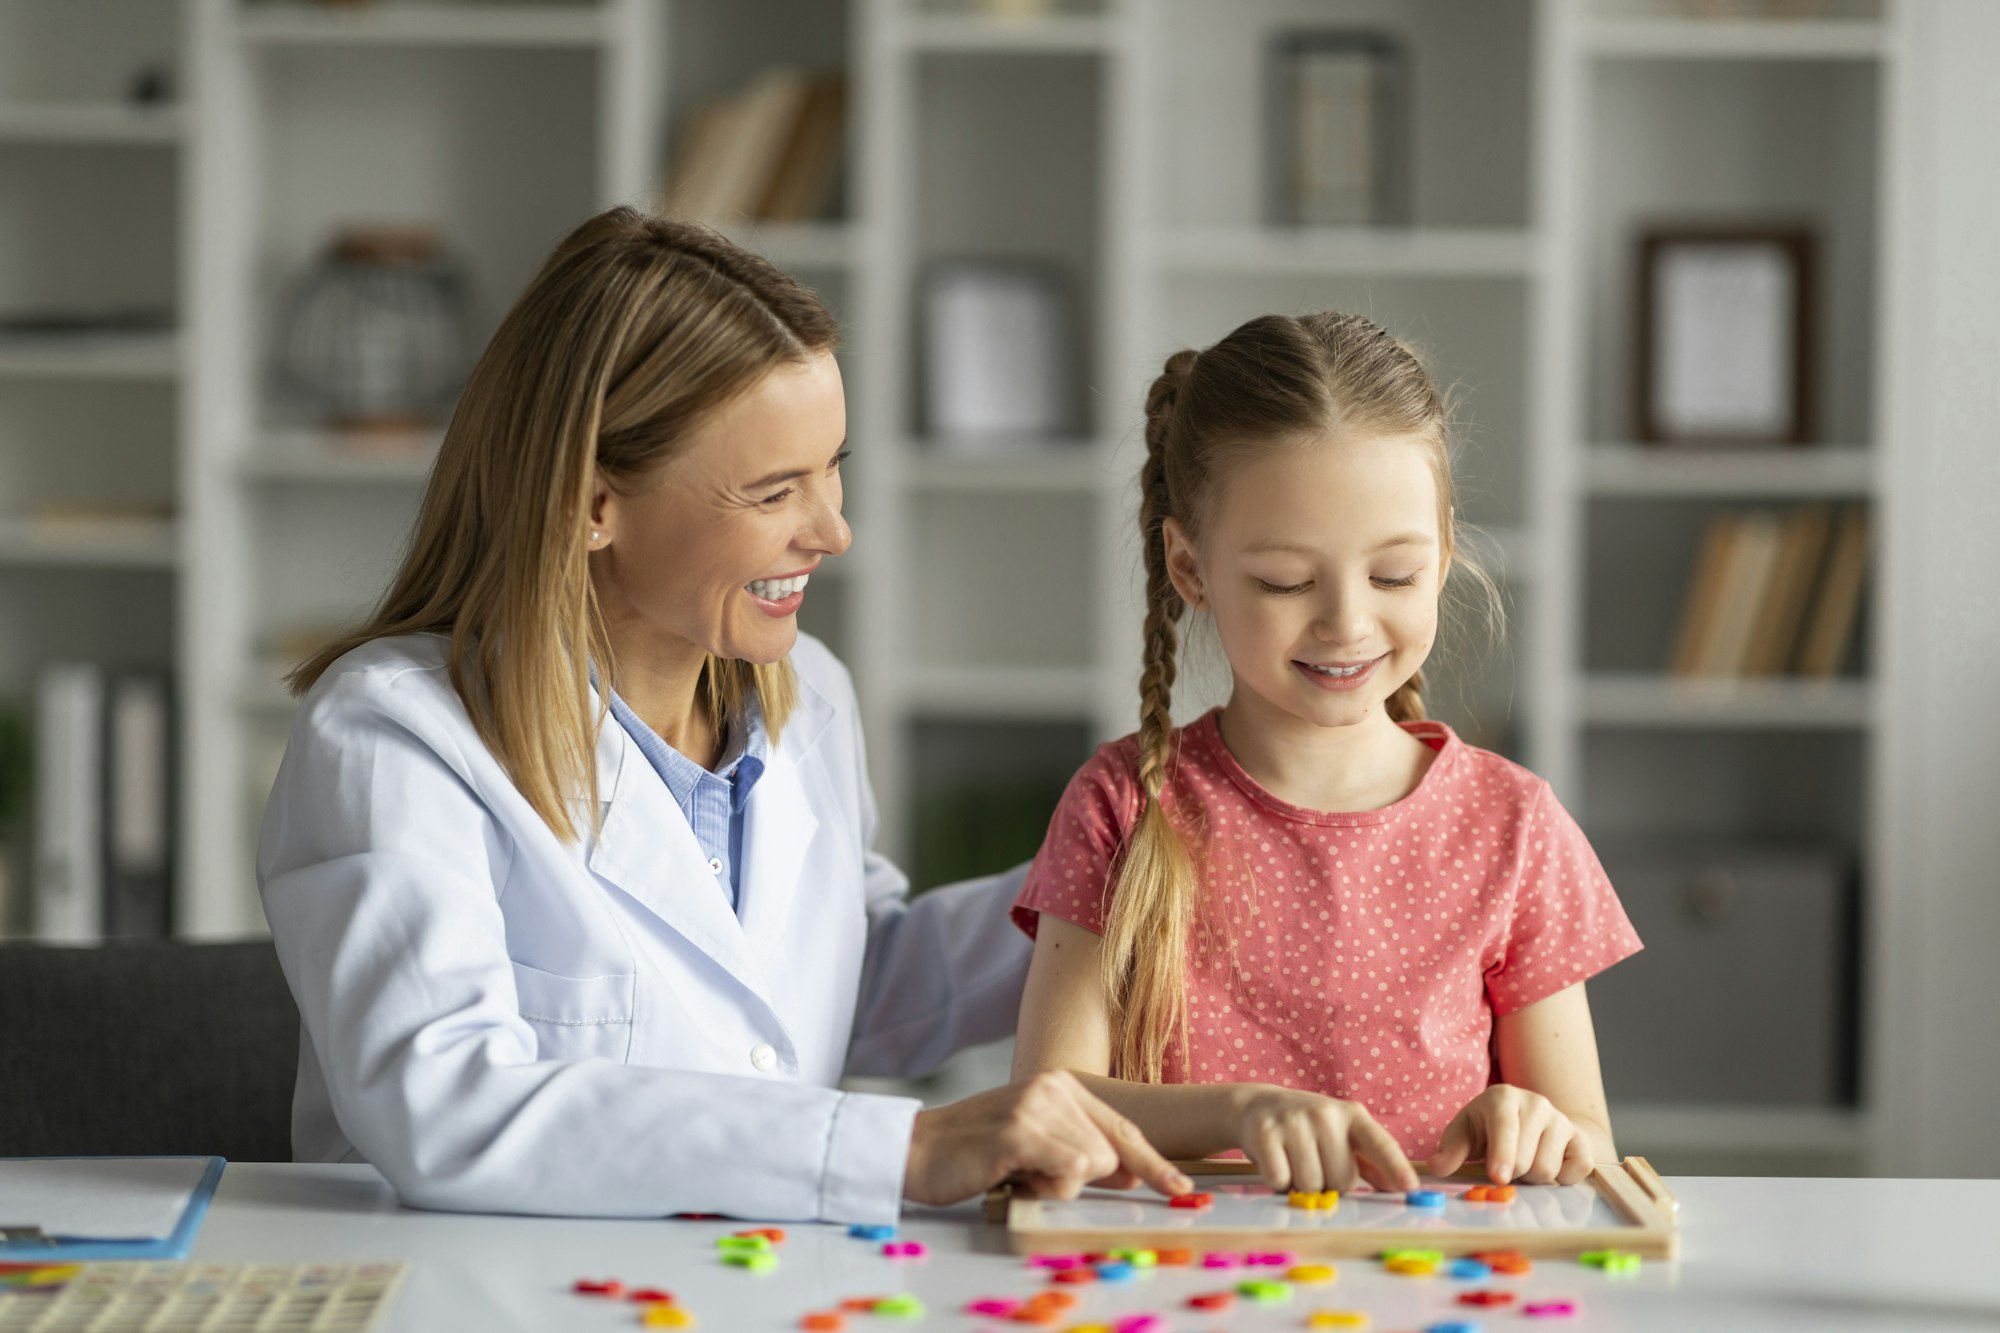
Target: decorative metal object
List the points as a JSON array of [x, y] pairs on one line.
[[376, 339]]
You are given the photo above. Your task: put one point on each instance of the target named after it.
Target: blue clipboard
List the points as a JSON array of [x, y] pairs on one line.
[[174, 1246]]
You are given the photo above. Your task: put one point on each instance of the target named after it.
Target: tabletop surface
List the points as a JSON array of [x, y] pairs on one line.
[[1756, 1254]]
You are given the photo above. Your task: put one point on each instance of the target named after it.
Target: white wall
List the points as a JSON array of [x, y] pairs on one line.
[[1940, 1073]]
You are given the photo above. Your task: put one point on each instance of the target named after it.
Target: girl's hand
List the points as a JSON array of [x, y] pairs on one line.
[[1303, 1141], [1521, 1135]]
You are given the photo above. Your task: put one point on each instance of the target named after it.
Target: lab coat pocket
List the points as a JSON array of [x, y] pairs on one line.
[[577, 1017]]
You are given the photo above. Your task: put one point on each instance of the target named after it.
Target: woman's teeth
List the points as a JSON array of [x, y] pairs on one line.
[[1339, 672], [777, 590]]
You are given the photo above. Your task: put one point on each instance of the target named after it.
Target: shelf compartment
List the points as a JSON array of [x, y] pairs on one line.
[[1764, 704], [1404, 252], [1079, 468], [1735, 39], [544, 25], [984, 790], [110, 357], [311, 458], [1736, 143], [1470, 113], [1008, 166], [1670, 471], [1724, 783], [1019, 692], [433, 138], [978, 33], [1643, 557], [1001, 581], [90, 123], [119, 544]]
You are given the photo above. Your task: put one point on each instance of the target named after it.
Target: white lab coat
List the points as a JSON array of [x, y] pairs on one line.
[[503, 1022]]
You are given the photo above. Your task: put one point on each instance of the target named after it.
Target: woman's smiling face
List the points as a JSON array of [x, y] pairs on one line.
[[713, 554], [1321, 564]]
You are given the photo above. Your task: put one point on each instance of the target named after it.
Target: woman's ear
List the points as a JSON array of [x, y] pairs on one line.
[[1183, 564], [603, 512]]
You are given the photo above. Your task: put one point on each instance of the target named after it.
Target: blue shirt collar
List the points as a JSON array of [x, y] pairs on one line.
[[741, 765]]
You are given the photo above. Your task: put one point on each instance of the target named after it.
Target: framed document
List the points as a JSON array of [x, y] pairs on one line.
[[1338, 146], [1725, 335]]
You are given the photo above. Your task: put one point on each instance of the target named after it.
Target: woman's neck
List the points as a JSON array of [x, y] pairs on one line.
[[1367, 766], [661, 683]]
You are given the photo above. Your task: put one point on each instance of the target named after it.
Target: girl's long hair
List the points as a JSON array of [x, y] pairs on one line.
[[1274, 382], [636, 330]]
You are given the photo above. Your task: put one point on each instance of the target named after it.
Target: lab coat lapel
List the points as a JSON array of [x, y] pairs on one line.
[[778, 827], [646, 848]]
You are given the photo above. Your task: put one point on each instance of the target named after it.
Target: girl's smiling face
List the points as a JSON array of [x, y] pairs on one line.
[[1321, 564]]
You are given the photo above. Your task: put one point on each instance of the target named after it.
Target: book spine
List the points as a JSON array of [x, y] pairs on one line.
[[138, 816], [68, 852]]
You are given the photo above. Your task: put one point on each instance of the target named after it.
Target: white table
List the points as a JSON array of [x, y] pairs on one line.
[[1908, 1255]]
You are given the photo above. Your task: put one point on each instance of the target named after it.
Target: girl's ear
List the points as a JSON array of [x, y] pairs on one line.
[[1183, 564]]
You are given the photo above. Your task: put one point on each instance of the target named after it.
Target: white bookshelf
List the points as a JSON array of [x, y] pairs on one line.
[[992, 594], [1647, 115]]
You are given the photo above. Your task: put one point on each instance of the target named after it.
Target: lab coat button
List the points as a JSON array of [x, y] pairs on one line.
[[762, 1056], [715, 864]]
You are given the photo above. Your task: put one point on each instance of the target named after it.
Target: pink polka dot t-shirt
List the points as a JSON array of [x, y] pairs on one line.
[[1367, 952]]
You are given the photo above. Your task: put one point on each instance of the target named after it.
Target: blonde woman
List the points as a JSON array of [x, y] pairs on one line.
[[568, 862]]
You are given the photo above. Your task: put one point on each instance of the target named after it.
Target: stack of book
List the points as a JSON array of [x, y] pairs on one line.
[[103, 804], [771, 152], [1774, 594]]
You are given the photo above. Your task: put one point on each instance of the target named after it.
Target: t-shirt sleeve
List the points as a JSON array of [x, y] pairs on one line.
[[1075, 872], [1567, 924]]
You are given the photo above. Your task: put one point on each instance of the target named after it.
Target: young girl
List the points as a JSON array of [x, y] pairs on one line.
[[1311, 925]]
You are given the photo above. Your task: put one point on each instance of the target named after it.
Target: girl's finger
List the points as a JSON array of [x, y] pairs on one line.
[[1380, 1158], [1302, 1148], [1502, 1131], [1546, 1165], [1578, 1161], [1456, 1145], [1336, 1159], [1267, 1150]]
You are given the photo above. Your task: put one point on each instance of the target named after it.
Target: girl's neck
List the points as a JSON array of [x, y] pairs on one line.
[[1373, 764]]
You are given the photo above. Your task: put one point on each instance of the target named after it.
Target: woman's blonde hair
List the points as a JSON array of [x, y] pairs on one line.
[[636, 330], [1277, 381]]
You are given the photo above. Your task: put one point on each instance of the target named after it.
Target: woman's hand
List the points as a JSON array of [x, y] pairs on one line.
[[1521, 1135], [1047, 1130], [1303, 1141]]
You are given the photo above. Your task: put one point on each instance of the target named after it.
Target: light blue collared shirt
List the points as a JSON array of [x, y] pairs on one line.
[[713, 801]]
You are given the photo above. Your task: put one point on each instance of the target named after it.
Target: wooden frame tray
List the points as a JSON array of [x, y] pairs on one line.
[[1622, 1206]]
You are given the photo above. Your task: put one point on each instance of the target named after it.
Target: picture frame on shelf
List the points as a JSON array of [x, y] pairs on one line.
[[999, 348], [1725, 334], [1338, 139]]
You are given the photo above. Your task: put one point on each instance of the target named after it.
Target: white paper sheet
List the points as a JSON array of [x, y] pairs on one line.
[[110, 1198]]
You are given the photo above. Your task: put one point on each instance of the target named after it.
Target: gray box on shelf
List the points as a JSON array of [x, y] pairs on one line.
[[1744, 993]]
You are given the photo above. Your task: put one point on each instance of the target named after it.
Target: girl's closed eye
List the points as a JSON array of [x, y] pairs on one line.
[[1284, 589], [1407, 581]]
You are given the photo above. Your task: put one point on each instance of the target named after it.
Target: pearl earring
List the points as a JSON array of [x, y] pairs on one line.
[[595, 534]]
